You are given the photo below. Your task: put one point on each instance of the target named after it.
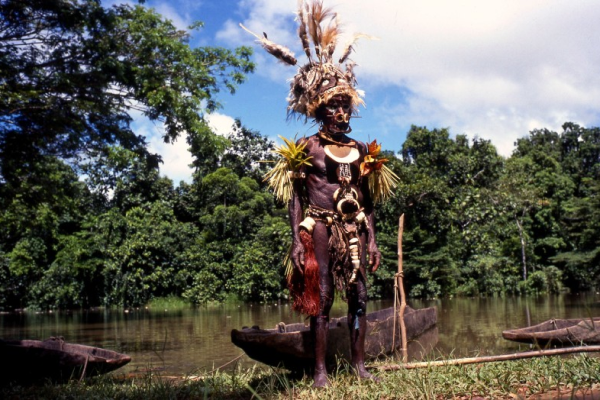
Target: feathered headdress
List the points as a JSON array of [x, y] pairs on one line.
[[321, 78]]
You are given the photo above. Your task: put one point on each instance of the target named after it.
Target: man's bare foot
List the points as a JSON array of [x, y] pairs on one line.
[[362, 373], [320, 380]]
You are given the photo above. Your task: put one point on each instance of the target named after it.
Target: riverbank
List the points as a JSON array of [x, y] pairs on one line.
[[544, 378], [180, 340]]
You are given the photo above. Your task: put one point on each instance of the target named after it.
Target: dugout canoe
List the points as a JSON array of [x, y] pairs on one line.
[[292, 346], [34, 361], [563, 332]]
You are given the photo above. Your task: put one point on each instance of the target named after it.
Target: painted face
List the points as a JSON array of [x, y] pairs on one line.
[[335, 115]]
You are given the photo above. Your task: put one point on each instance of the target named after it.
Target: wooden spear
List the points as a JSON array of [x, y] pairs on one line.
[[502, 357], [399, 288]]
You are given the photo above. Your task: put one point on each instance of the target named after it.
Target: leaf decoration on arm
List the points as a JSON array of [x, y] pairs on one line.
[[382, 180], [280, 178]]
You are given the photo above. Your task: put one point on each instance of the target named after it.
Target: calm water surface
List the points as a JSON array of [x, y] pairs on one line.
[[195, 340]]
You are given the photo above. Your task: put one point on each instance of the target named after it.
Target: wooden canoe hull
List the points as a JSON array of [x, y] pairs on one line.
[[292, 346], [31, 361], [558, 332]]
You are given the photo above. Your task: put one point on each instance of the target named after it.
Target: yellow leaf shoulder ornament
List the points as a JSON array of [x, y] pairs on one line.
[[289, 167], [382, 180]]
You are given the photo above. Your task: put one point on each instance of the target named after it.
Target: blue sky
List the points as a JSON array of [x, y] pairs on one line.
[[494, 69]]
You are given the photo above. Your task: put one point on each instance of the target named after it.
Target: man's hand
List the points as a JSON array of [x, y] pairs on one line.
[[374, 257], [297, 256]]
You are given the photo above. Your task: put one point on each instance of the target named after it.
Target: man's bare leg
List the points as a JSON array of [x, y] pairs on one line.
[[357, 321], [320, 324], [320, 328]]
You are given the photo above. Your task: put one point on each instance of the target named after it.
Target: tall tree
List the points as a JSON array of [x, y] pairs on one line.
[[72, 73], [247, 152], [581, 221], [519, 196], [49, 202]]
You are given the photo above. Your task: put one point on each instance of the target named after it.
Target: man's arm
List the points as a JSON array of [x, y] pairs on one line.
[[295, 213], [372, 249]]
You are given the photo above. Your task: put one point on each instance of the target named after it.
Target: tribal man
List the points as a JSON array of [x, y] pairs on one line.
[[330, 183], [339, 213]]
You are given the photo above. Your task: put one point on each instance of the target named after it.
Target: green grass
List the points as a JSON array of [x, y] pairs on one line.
[[168, 303], [501, 380]]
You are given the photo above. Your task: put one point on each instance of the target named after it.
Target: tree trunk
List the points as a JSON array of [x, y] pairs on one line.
[[523, 255]]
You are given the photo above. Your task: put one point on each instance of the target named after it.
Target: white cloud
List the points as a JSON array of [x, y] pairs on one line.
[[180, 20], [180, 17], [278, 30], [494, 68], [176, 156], [220, 123]]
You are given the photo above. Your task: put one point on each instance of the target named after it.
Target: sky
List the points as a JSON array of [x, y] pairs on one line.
[[491, 69]]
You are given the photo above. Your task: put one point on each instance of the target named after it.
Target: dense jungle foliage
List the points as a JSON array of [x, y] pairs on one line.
[[87, 220]]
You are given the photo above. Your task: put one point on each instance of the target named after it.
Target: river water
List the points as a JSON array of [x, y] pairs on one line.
[[195, 340]]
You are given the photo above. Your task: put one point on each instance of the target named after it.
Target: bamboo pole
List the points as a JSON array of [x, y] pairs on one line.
[[399, 289], [484, 359]]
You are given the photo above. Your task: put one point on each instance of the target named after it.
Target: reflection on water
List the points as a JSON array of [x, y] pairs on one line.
[[188, 341]]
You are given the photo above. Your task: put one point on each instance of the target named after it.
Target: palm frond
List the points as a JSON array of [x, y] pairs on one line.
[[382, 183], [293, 157], [278, 180], [294, 153]]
